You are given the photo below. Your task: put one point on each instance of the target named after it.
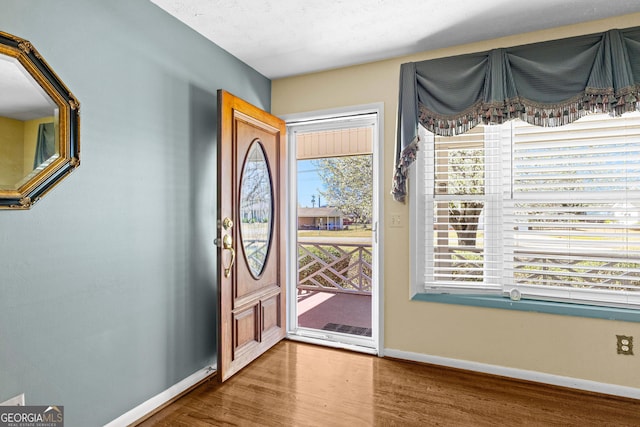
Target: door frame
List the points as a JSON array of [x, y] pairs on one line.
[[377, 294]]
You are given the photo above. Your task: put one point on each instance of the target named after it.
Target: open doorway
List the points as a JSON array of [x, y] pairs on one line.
[[333, 241]]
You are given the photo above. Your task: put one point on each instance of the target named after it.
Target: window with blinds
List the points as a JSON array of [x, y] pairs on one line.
[[534, 212], [572, 230], [460, 199]]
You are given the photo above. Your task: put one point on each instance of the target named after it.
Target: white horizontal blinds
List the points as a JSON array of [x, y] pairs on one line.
[[456, 193], [424, 203], [572, 230]]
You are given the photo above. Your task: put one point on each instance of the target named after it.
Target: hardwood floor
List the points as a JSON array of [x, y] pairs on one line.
[[297, 384]]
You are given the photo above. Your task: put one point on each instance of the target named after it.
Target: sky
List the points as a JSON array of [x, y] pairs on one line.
[[309, 183]]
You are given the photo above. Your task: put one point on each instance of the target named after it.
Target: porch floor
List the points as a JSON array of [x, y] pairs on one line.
[[317, 310]]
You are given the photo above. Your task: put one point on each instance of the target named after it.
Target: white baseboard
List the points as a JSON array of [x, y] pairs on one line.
[[161, 398], [540, 377]]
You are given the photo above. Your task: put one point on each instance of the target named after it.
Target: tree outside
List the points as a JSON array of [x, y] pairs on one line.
[[348, 185], [466, 177]]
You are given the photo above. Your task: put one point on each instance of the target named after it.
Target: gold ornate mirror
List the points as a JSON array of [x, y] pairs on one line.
[[39, 125]]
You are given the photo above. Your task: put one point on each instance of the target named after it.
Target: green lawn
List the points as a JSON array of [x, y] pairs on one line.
[[360, 232]]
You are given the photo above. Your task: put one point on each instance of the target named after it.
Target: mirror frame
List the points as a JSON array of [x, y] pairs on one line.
[[68, 130]]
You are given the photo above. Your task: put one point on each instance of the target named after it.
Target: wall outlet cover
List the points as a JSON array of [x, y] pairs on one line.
[[625, 345]]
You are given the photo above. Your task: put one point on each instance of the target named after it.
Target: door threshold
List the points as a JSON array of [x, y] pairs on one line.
[[330, 340]]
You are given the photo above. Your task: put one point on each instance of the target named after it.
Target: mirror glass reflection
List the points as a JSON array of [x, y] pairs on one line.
[[28, 126], [256, 208]]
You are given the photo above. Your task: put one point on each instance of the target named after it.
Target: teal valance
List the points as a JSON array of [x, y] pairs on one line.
[[546, 84]]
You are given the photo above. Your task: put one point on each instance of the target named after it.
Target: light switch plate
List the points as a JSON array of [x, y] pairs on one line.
[[396, 221]]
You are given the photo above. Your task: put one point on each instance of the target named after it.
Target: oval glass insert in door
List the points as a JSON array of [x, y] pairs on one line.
[[256, 208]]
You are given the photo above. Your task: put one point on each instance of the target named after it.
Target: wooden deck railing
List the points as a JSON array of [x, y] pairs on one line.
[[587, 270], [550, 269], [339, 267]]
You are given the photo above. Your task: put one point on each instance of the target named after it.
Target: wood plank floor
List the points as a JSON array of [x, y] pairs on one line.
[[297, 384]]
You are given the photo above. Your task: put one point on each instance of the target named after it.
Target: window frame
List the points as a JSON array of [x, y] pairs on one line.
[[492, 298]]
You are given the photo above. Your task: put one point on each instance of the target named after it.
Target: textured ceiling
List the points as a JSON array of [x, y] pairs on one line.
[[281, 38]]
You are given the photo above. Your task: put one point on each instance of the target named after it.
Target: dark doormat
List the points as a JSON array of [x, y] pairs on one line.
[[347, 329]]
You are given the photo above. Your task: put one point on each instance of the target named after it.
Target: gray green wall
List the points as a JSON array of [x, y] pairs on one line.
[[107, 286]]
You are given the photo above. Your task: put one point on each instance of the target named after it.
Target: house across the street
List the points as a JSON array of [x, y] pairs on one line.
[[320, 219]]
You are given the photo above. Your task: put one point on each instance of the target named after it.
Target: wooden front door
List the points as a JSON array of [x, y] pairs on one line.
[[251, 244]]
